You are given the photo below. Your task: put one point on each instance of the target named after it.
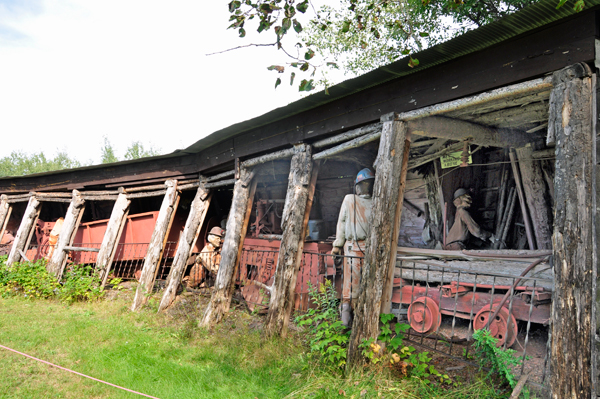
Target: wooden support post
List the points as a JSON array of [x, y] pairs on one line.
[[57, 262], [292, 242], [156, 246], [537, 196], [521, 194], [386, 297], [237, 223], [110, 242], [25, 232], [381, 244], [572, 324], [187, 240], [5, 211]]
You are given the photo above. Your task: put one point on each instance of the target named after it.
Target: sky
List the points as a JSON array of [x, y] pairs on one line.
[[75, 71]]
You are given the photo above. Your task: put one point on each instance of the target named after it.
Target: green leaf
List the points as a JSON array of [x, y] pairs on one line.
[[302, 7], [304, 67], [345, 26], [242, 32], [423, 34], [561, 3], [234, 5], [286, 24], [277, 68], [306, 85], [579, 5], [309, 54], [292, 76], [333, 65], [297, 26], [413, 62]]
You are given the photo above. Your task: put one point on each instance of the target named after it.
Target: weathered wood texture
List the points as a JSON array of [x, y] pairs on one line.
[[25, 231], [388, 284], [57, 262], [187, 240], [156, 246], [521, 194], [380, 246], [455, 129], [292, 242], [233, 240], [573, 302], [5, 210], [537, 197], [111, 238]]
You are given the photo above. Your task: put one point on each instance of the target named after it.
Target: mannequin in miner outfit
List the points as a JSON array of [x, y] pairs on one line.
[[463, 223], [207, 262], [351, 233]]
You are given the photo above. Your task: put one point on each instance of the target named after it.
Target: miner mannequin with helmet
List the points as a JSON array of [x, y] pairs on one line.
[[463, 223], [207, 262], [351, 234]]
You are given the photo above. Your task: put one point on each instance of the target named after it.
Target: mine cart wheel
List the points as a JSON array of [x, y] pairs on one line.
[[499, 327], [424, 315]]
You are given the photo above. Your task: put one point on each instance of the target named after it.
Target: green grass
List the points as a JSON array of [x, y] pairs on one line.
[[167, 356]]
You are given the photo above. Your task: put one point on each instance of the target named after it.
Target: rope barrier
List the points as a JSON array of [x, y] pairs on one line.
[[75, 372]]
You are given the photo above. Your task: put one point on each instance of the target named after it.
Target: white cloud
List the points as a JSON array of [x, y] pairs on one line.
[[127, 69]]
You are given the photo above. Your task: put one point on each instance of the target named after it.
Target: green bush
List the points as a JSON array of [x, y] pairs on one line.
[[327, 335], [32, 280]]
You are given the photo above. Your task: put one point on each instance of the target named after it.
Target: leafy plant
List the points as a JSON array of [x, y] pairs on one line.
[[405, 358], [80, 283], [326, 334], [497, 359]]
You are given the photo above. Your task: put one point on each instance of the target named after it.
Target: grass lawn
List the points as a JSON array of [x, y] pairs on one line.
[[167, 356]]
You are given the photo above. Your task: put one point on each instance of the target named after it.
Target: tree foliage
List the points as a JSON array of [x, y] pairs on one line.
[[137, 150], [108, 153], [19, 163], [362, 34]]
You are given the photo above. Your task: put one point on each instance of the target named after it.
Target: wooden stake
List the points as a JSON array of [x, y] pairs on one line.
[[155, 248], [57, 262], [24, 233], [187, 240], [292, 242], [575, 255], [233, 240], [537, 196], [111, 238], [379, 246], [519, 186]]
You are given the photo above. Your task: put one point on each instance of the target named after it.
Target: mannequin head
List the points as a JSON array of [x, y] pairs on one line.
[[215, 236]]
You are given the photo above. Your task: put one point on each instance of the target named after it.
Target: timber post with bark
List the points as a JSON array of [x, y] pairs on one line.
[[293, 224], [110, 242], [232, 242], [536, 196], [381, 244], [25, 231], [57, 262], [571, 120], [5, 210], [187, 240], [156, 246]]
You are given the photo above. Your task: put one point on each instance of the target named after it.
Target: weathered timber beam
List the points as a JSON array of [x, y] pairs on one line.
[[80, 249], [349, 135], [416, 162], [23, 256], [221, 183], [483, 98], [54, 199], [574, 309], [25, 231], [57, 262], [237, 221], [357, 142], [220, 176], [381, 243], [156, 246], [292, 242], [287, 153], [187, 240], [536, 196], [111, 238], [5, 211], [147, 194], [520, 191], [456, 129], [547, 153], [41, 196]]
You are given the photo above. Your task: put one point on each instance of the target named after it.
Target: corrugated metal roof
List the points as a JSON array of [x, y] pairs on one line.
[[525, 21]]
